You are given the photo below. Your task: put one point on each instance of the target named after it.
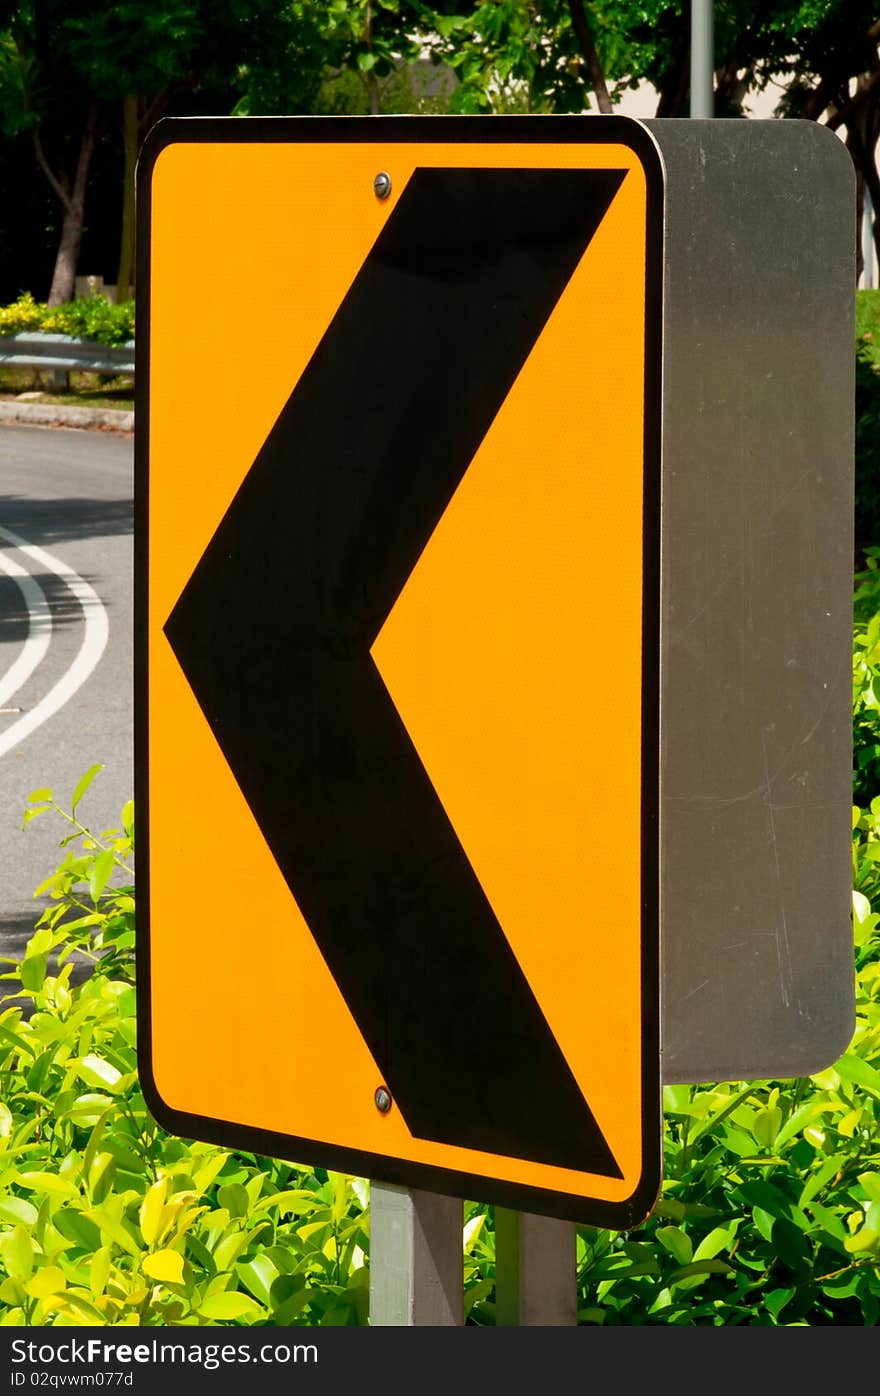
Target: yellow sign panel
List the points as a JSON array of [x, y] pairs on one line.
[[397, 627]]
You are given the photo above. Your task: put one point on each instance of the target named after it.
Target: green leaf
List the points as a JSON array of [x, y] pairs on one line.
[[17, 1250], [852, 1068], [37, 796], [285, 1311], [777, 1299], [33, 972], [229, 1306], [340, 1196], [295, 1201], [50, 1183], [49, 1280], [766, 1195], [871, 1183], [80, 1307], [12, 1292], [205, 1175], [164, 1265], [284, 1287], [714, 1120], [95, 1071], [472, 1230], [258, 1275], [701, 1267], [799, 1119], [112, 1227], [199, 1255], [676, 1099], [719, 1239], [16, 1040], [789, 1243], [99, 1271], [77, 1228], [763, 1222], [676, 1241], [233, 1197], [765, 1126], [152, 1211], [87, 1109], [82, 786], [829, 1220], [16, 1210], [229, 1248], [865, 1239], [101, 870]]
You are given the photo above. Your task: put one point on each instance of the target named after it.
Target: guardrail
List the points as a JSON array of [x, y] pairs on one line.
[[62, 353]]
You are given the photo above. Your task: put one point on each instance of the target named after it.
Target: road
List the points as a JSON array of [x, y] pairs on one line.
[[65, 645]]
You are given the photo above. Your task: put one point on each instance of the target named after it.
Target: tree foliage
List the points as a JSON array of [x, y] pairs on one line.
[[70, 68], [820, 56]]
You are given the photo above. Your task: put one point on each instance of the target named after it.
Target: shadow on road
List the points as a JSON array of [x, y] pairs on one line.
[[46, 521], [16, 930], [63, 605]]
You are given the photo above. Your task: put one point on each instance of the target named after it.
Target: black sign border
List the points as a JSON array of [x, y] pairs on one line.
[[495, 130]]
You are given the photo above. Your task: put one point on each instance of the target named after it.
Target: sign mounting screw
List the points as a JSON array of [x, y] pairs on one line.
[[382, 185], [382, 1098]]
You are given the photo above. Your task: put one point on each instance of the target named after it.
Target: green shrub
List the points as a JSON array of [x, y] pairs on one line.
[[22, 316], [769, 1212], [867, 445], [93, 317], [866, 688], [104, 1218]]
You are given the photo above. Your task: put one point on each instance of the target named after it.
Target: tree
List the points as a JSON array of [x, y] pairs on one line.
[[67, 67], [40, 94], [830, 58], [554, 55], [131, 54]]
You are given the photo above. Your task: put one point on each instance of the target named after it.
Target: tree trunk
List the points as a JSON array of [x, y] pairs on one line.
[[73, 202], [676, 84], [861, 117], [64, 275], [591, 57], [371, 80], [860, 214], [130, 149]]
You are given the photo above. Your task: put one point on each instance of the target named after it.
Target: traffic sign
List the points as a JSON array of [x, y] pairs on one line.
[[397, 622]]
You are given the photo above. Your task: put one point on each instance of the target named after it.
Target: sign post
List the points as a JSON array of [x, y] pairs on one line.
[[415, 1258]]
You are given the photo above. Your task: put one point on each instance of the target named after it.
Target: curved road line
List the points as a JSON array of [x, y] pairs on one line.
[[39, 630], [94, 642]]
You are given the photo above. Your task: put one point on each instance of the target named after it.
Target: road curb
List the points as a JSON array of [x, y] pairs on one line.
[[47, 414]]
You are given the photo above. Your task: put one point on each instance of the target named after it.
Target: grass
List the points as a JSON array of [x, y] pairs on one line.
[[868, 321], [85, 389]]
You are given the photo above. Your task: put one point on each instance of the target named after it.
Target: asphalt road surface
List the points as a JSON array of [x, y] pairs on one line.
[[65, 646]]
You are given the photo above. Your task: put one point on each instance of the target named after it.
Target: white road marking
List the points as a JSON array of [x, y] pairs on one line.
[[39, 630], [93, 644]]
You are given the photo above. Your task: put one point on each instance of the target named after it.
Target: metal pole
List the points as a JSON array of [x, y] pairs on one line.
[[868, 243], [416, 1259], [702, 59], [535, 1270]]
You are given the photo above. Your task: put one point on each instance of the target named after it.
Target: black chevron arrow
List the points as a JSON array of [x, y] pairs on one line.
[[274, 629]]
